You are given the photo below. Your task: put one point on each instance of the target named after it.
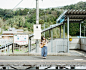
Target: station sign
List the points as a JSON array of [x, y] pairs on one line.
[[21, 39]]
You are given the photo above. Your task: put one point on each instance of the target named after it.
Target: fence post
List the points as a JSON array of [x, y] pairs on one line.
[[29, 45], [12, 47], [5, 46], [68, 34], [8, 49]]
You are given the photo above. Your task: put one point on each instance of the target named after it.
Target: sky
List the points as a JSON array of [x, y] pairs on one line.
[[10, 4]]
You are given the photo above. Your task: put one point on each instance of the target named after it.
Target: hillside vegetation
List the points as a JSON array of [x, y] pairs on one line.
[[79, 5], [26, 18]]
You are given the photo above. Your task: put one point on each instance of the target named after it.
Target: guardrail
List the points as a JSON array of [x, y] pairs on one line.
[[4, 47]]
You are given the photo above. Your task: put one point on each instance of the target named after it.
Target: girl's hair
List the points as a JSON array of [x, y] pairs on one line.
[[42, 38]]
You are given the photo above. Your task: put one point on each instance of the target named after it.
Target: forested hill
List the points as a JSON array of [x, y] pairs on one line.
[[25, 18], [79, 5]]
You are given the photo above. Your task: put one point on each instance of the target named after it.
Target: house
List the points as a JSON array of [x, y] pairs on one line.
[[11, 31]]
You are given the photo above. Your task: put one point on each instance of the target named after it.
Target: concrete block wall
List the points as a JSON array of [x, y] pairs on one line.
[[74, 44], [59, 45], [83, 44]]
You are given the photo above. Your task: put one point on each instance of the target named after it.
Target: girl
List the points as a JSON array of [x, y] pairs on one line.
[[43, 45]]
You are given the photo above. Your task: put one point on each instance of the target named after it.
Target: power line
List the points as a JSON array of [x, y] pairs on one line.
[[13, 8], [17, 4]]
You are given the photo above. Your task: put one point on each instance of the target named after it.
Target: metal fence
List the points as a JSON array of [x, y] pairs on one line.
[[58, 45], [55, 46], [5, 45]]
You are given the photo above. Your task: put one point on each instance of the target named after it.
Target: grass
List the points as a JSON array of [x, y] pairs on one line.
[[33, 44], [17, 51]]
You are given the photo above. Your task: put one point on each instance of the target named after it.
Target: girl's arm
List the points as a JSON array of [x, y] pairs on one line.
[[46, 40]]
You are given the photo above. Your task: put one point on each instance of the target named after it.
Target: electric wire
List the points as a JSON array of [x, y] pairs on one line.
[[12, 9]]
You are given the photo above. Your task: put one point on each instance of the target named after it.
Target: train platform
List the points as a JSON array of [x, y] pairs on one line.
[[72, 55], [73, 58], [38, 60]]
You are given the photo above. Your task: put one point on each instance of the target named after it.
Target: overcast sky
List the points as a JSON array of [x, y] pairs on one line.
[[10, 4]]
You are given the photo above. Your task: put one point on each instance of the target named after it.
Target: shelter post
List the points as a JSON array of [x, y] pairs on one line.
[[51, 40], [64, 30], [63, 36], [68, 34], [80, 30], [49, 33]]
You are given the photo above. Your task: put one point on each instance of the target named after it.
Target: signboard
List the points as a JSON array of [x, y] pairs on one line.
[[21, 39], [37, 31]]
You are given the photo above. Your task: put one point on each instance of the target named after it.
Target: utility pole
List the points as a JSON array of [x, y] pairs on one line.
[[84, 31], [44, 23], [44, 28], [37, 22], [37, 11]]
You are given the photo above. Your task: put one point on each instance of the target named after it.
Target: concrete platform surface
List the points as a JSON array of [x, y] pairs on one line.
[[74, 58], [40, 58]]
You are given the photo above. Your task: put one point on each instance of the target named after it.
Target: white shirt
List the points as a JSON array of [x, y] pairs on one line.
[[45, 44]]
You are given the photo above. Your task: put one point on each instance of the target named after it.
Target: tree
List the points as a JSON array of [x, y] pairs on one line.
[[1, 12], [11, 22], [73, 29], [1, 22], [8, 13], [41, 21], [32, 18]]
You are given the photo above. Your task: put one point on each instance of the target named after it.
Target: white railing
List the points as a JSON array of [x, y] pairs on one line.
[[5, 41]]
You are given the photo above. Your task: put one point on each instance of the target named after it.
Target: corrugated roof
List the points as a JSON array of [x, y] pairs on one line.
[[75, 15]]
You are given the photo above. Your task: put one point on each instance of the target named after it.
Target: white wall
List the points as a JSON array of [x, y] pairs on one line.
[[74, 44], [62, 45], [59, 45], [83, 44]]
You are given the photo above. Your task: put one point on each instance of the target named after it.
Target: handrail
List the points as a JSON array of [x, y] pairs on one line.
[[52, 26], [3, 46]]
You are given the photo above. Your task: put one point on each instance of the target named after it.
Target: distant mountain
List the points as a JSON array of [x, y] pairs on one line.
[[79, 5]]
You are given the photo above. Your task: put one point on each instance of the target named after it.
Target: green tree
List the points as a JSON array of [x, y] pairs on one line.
[[41, 21]]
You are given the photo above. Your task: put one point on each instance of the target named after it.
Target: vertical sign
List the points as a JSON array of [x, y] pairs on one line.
[[37, 31]]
